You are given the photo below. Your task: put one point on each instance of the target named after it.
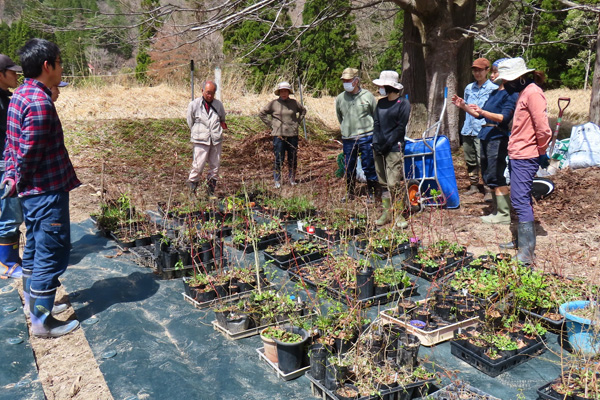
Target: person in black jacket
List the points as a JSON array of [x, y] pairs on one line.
[[390, 118], [11, 214]]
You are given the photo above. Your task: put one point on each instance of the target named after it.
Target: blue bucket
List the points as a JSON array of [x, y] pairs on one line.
[[583, 333]]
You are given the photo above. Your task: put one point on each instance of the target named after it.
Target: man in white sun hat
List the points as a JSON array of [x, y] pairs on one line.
[[529, 139], [390, 120], [283, 116]]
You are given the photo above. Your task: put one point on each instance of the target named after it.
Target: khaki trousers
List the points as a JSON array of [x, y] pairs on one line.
[[390, 173], [472, 151], [204, 153]]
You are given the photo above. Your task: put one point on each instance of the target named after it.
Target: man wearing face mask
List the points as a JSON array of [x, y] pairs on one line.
[[527, 146], [354, 108]]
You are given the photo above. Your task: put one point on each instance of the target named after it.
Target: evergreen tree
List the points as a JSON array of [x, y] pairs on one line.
[[147, 31], [329, 48], [4, 38], [268, 44]]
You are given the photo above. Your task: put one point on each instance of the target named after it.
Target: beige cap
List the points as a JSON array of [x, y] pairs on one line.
[[349, 73]]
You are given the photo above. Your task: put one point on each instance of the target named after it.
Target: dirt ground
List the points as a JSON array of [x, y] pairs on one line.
[[568, 229]]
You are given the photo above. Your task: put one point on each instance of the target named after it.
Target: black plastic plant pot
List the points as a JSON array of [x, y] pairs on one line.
[[409, 350], [381, 289], [318, 360], [237, 323], [342, 346], [222, 290], [221, 317], [203, 296], [290, 355], [334, 375], [347, 392], [170, 258], [364, 283], [145, 241], [184, 256]]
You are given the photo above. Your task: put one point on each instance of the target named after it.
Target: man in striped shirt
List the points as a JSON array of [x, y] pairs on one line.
[[39, 171]]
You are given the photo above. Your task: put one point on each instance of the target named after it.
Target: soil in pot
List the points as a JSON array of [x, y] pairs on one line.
[[405, 306], [347, 392]]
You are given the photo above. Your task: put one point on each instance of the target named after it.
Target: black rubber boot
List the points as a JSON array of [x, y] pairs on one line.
[[526, 242], [211, 184], [373, 191], [349, 190]]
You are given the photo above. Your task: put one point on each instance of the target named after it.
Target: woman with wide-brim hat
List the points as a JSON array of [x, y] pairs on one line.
[[390, 120], [529, 139], [283, 116]]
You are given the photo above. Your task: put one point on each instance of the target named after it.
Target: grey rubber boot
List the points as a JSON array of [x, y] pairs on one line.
[[526, 242], [385, 217], [502, 215], [472, 190], [513, 244], [488, 196]]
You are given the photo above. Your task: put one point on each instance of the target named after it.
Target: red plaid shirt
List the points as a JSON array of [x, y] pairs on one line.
[[35, 154]]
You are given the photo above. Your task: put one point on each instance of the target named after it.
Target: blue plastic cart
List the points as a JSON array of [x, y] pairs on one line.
[[429, 170]]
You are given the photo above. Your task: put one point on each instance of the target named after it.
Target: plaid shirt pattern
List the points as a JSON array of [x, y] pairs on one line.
[[35, 154]]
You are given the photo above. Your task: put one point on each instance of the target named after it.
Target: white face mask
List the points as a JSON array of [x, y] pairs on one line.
[[382, 91], [348, 87]]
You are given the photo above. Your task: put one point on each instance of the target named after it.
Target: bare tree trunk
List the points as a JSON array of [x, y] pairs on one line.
[[595, 100], [413, 62]]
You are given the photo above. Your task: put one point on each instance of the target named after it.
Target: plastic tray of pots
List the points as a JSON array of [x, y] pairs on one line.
[[570, 386], [406, 392], [293, 261], [550, 318], [236, 335], [478, 356], [425, 330], [144, 255], [365, 296], [458, 391], [433, 273], [187, 296], [261, 244]]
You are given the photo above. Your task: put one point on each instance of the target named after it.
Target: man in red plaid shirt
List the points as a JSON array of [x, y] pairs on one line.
[[39, 171]]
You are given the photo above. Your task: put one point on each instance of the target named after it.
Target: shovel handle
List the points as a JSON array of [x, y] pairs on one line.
[[560, 108]]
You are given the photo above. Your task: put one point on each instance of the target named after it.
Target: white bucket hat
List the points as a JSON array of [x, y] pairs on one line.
[[389, 78], [511, 69], [283, 85]]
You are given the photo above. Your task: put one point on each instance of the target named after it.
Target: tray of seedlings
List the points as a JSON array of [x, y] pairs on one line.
[[295, 253], [387, 243], [579, 380], [539, 296], [334, 226], [206, 289], [438, 259], [245, 317], [494, 350], [434, 320], [382, 364], [459, 391], [293, 208], [350, 281], [258, 236]]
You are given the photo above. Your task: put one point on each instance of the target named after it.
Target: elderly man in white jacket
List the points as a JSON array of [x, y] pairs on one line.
[[206, 119]]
